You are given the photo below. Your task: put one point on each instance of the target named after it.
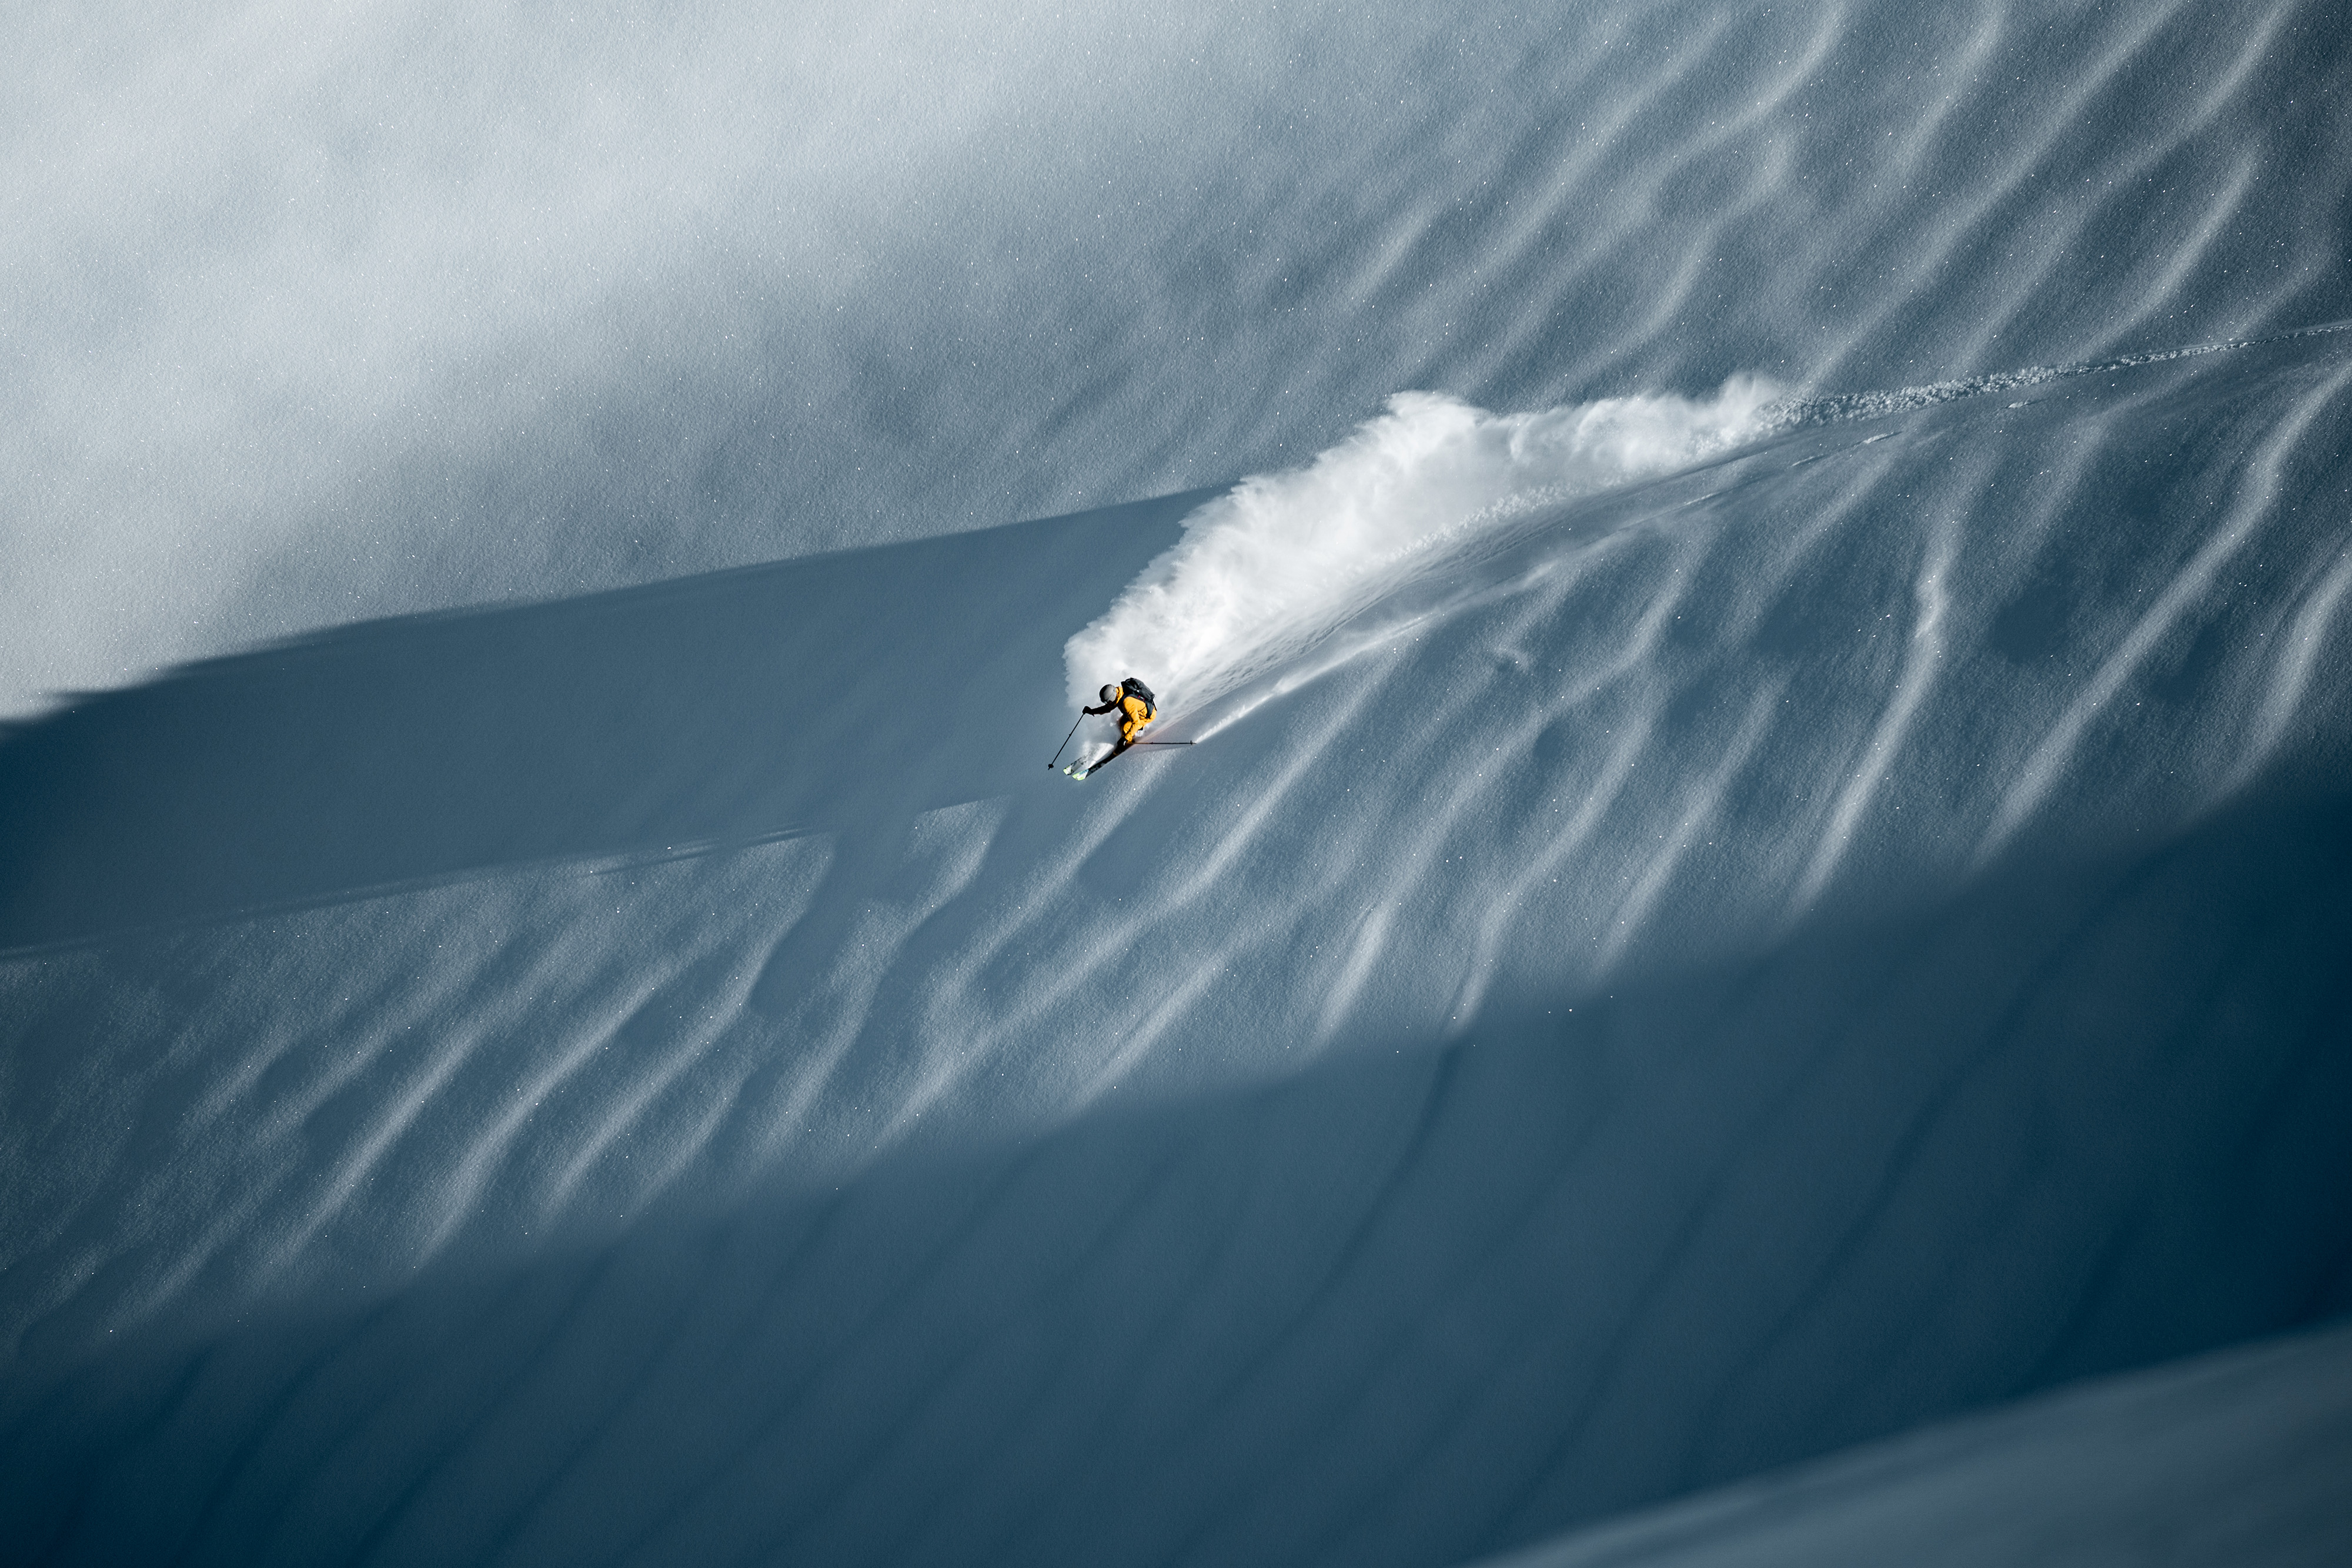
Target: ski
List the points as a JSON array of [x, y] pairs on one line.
[[1080, 775]]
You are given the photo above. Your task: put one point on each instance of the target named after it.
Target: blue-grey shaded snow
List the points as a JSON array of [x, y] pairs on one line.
[[1718, 970], [1669, 973], [2236, 1460], [1407, 1307]]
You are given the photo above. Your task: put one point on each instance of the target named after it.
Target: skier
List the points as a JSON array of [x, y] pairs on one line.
[[1131, 700]]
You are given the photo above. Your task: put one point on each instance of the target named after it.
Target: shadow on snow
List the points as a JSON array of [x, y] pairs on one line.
[[1410, 1306], [839, 693]]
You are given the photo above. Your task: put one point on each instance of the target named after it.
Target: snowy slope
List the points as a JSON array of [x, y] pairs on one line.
[[2235, 1460], [1767, 859], [319, 316], [1707, 972]]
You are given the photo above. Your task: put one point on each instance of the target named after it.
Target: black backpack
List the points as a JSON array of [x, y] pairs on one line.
[[1136, 688]]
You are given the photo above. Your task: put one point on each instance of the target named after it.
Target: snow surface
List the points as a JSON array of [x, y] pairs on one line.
[[1787, 882], [2237, 1460], [319, 315], [1277, 563]]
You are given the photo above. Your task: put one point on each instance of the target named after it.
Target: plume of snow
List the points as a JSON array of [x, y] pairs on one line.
[[1270, 567]]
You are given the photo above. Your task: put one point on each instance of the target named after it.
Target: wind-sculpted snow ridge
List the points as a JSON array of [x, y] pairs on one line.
[[1692, 976], [1845, 668], [2235, 1460], [835, 287], [1269, 569], [1410, 1306], [1266, 569], [1669, 981]]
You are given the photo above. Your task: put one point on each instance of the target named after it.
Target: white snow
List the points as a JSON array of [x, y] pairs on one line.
[[1274, 565], [1765, 866]]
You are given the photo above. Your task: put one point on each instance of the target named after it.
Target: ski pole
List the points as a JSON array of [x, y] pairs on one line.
[[1066, 741]]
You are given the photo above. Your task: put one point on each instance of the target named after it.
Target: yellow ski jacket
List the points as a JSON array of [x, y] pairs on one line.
[[1134, 713]]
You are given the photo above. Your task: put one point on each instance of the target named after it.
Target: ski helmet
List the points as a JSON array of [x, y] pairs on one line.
[[1108, 693]]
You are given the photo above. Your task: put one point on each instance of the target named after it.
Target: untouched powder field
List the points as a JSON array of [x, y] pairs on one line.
[[1750, 963]]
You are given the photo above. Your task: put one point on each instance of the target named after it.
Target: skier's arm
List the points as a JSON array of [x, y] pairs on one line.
[[1106, 707]]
